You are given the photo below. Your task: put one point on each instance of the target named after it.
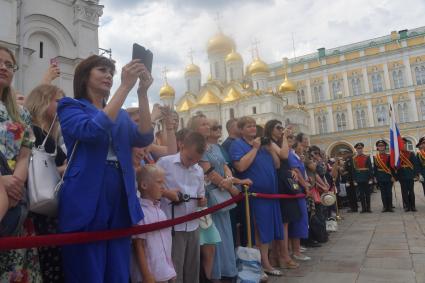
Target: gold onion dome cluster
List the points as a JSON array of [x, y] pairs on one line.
[[192, 69], [287, 86], [166, 91], [258, 66], [220, 42]]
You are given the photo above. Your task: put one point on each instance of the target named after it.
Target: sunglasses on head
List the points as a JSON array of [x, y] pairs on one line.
[[215, 128]]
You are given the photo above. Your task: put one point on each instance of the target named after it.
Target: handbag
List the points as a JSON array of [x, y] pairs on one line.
[[292, 186], [15, 216], [44, 181], [331, 225], [217, 196]]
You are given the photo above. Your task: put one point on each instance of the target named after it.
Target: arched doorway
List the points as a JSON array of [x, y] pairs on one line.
[[340, 149]]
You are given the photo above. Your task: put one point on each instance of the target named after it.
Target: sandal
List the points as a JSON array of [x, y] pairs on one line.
[[273, 272], [289, 264]]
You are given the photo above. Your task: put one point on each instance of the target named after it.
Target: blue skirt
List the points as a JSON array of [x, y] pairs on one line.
[[299, 229]]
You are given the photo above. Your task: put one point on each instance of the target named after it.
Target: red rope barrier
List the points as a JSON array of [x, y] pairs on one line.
[[10, 243], [275, 196]]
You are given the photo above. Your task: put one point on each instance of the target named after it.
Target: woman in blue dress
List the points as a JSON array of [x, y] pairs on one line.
[[258, 163], [299, 229], [99, 191]]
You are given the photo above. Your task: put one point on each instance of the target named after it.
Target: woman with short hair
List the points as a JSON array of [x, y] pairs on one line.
[[258, 163], [99, 190]]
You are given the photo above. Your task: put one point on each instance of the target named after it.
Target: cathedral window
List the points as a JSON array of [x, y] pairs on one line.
[[41, 51], [381, 115], [217, 70], [377, 83], [188, 85], [398, 78], [361, 119], [336, 89], [301, 97], [231, 74], [181, 123], [232, 113], [403, 112], [257, 85], [341, 122], [254, 110], [420, 75]]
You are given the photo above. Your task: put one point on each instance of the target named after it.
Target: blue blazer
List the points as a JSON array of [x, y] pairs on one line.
[[79, 195]]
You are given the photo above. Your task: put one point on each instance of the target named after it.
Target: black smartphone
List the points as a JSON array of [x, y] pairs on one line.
[[145, 55]]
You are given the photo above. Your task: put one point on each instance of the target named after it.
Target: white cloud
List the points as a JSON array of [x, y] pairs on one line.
[[171, 28]]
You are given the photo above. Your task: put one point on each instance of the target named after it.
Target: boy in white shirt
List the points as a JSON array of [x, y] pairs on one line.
[[183, 172]]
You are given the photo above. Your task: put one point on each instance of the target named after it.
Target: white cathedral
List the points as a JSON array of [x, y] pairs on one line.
[[233, 91], [41, 30]]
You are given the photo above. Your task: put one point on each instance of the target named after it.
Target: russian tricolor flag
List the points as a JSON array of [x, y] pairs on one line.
[[396, 142]]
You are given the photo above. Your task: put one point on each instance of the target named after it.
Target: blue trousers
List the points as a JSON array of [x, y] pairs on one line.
[[105, 261]]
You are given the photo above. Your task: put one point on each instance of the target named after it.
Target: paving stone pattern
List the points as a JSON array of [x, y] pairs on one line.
[[369, 248]]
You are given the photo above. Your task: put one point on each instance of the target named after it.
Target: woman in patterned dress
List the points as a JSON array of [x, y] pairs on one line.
[[15, 144]]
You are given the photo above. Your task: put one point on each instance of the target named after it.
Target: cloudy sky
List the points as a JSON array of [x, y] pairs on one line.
[[171, 28]]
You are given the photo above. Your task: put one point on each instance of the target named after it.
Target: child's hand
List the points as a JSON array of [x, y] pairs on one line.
[[172, 195], [202, 202]]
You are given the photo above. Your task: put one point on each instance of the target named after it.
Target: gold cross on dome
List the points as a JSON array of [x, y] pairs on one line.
[[164, 73], [217, 20], [255, 44], [190, 54]]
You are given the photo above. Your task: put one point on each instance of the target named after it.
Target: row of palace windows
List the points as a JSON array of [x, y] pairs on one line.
[[355, 84], [361, 121]]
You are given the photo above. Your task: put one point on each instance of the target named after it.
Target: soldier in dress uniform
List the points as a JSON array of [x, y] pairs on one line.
[[420, 158], [384, 175], [362, 176], [406, 175], [347, 174]]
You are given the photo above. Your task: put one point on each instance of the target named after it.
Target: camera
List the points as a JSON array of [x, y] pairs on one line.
[[265, 141]]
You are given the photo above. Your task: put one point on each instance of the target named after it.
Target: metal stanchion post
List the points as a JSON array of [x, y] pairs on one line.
[[248, 217]]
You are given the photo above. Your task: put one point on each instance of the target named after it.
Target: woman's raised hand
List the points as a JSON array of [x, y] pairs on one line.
[[145, 82], [130, 73]]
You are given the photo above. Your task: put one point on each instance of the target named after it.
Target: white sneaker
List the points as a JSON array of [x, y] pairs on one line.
[[303, 249], [302, 257]]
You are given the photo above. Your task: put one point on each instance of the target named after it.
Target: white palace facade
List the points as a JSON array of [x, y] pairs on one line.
[[339, 96]]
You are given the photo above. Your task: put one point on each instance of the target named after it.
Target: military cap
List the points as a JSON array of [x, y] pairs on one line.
[[359, 144], [381, 142], [421, 140]]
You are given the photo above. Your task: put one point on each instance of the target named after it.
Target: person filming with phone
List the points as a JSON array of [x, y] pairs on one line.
[[99, 184]]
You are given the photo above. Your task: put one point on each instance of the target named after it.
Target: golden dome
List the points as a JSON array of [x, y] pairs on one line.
[[192, 68], [287, 86], [208, 97], [258, 66], [166, 91], [185, 105], [233, 56], [220, 42], [232, 95]]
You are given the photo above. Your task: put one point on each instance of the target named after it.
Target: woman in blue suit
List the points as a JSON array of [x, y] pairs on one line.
[[99, 187]]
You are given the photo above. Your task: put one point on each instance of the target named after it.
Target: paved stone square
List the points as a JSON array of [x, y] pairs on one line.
[[369, 248]]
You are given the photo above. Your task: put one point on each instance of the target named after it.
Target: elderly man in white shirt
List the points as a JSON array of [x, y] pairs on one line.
[[183, 173]]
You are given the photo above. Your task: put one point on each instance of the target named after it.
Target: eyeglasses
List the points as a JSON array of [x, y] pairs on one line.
[[279, 127], [215, 128], [9, 66], [290, 137]]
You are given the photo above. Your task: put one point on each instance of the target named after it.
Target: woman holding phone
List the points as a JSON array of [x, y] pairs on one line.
[[99, 190]]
